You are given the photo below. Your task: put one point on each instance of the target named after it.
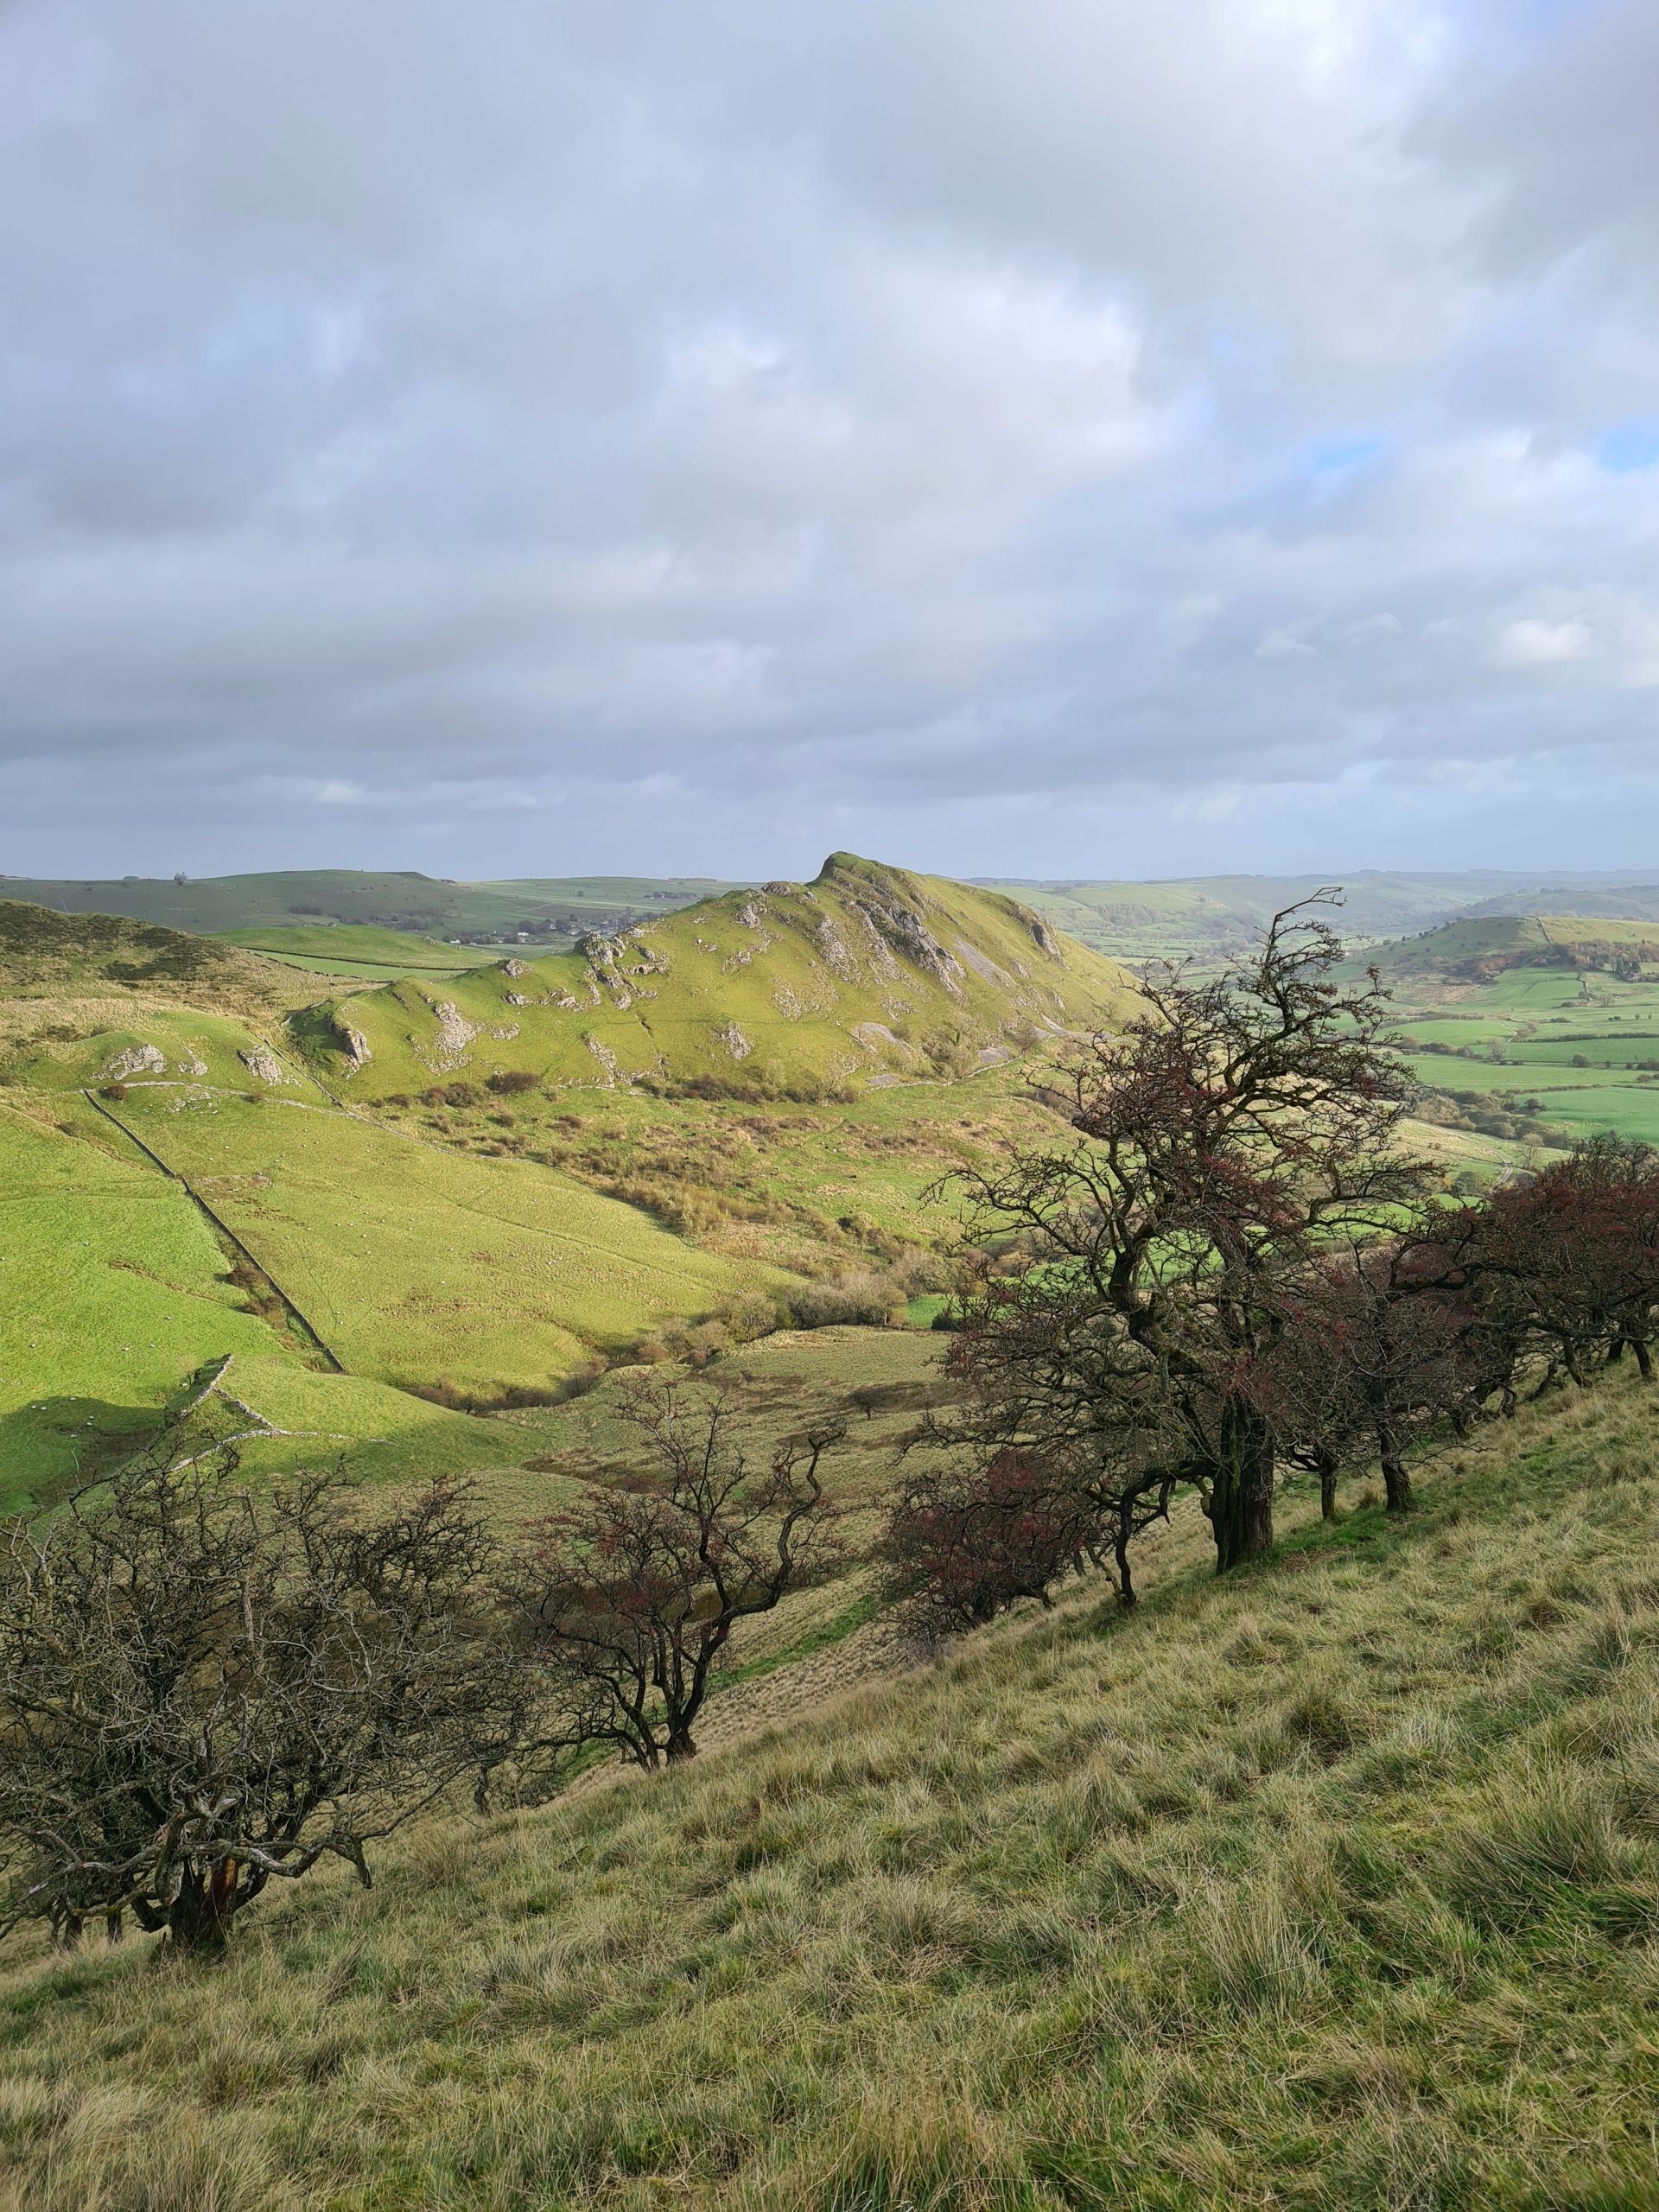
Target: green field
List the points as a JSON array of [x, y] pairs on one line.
[[344, 948], [1584, 1042], [114, 1292], [1205, 917]]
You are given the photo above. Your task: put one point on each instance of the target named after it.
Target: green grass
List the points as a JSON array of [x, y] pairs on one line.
[[1334, 1887], [195, 1048], [114, 1290], [418, 1264], [324, 947], [1539, 1021]]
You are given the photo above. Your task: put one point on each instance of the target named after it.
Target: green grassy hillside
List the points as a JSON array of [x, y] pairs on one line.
[[45, 954], [1553, 1018], [1484, 947], [404, 900], [114, 1290], [866, 974], [1332, 1887], [416, 1264]]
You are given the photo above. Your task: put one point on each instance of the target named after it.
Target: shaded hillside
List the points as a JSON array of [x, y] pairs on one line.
[[866, 974], [1210, 915], [43, 952]]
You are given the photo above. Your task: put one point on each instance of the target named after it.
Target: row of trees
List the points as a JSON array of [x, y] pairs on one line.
[[209, 1685], [1233, 1270]]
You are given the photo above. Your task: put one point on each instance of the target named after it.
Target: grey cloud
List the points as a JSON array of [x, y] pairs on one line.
[[695, 435]]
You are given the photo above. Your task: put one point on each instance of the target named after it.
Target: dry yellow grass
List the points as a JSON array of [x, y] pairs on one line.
[[1336, 1885]]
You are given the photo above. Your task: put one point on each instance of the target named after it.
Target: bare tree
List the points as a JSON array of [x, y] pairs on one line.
[[1231, 1133], [630, 1598], [206, 1688]]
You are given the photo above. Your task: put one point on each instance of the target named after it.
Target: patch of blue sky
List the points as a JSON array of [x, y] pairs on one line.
[[1631, 445], [1338, 456]]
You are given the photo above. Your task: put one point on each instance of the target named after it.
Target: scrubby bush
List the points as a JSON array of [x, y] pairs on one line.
[[963, 1542], [506, 1082], [206, 1686]]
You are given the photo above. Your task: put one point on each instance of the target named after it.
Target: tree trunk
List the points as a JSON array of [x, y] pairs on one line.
[[1241, 1488], [680, 1745], [1396, 1480], [1327, 1464], [1120, 1535], [199, 1920]]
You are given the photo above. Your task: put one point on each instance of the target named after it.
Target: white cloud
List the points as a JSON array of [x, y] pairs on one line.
[[1531, 643]]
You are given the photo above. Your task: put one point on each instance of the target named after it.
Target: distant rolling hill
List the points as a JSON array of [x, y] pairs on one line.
[[866, 974], [1486, 946], [404, 901], [1212, 915]]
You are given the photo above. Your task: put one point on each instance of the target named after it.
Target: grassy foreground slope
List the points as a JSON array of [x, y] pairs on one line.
[[1334, 1887], [868, 973]]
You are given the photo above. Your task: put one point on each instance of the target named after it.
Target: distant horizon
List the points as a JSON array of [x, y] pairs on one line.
[[1568, 877]]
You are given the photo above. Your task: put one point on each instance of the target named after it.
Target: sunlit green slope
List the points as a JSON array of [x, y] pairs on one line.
[[114, 1292], [868, 973]]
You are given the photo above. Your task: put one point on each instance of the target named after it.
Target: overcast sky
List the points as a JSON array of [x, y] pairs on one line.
[[1044, 436]]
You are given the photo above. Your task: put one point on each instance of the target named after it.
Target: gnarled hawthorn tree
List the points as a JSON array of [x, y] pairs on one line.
[[1374, 1348], [206, 1686], [1235, 1130], [629, 1599], [1566, 1261]]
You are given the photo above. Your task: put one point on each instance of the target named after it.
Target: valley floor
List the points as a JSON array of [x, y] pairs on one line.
[[1336, 1885]]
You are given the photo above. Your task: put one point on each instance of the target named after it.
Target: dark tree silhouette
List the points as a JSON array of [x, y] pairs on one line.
[[1567, 1260], [1375, 1350]]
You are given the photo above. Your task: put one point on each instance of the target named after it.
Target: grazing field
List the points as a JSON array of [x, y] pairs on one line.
[[1205, 917], [416, 1264], [1331, 1886], [114, 1293], [1574, 1047]]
